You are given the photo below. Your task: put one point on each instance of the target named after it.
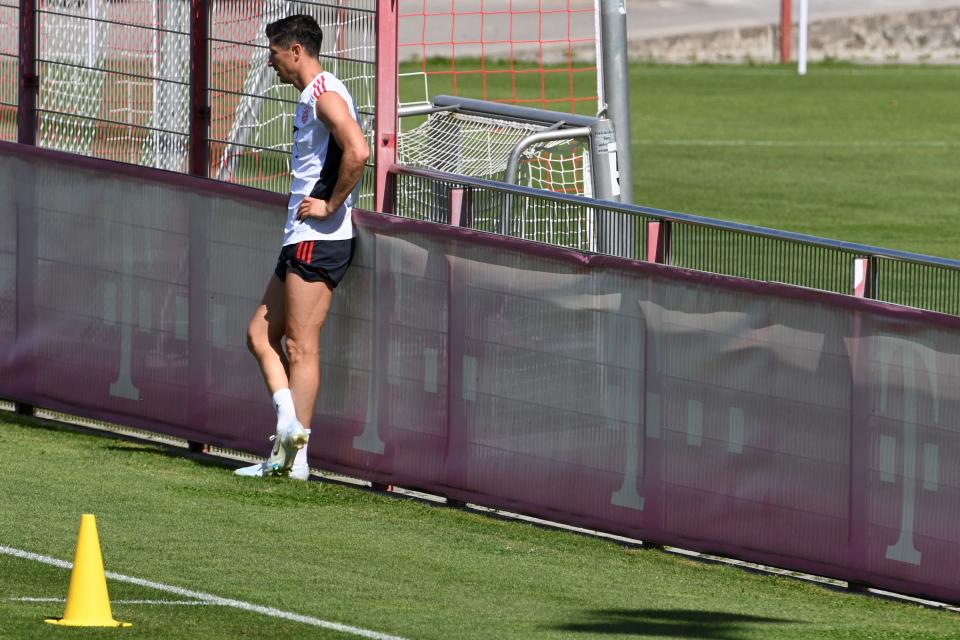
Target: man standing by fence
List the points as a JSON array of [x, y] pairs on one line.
[[329, 155]]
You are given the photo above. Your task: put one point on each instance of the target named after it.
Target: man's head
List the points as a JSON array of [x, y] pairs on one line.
[[291, 39]]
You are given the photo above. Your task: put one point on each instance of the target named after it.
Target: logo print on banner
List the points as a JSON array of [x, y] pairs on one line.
[[911, 354], [123, 386]]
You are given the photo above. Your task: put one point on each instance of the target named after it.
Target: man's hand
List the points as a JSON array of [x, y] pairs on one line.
[[313, 208]]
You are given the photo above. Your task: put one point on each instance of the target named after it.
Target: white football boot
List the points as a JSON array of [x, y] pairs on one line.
[[301, 468], [299, 472], [259, 470], [286, 443]]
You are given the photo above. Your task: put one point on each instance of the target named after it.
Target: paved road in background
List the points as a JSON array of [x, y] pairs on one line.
[[652, 18], [645, 19]]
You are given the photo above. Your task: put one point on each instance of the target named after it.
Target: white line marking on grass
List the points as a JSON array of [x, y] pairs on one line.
[[170, 602], [890, 144], [209, 598]]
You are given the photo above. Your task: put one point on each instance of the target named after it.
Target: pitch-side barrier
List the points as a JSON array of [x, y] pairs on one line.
[[681, 240], [778, 424]]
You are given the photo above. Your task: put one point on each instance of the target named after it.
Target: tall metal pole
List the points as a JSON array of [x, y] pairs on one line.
[[616, 87], [802, 45]]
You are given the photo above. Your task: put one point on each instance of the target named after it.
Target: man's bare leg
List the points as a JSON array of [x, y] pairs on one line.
[[307, 306], [264, 335]]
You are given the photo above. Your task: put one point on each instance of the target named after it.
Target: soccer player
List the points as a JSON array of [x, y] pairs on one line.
[[329, 154]]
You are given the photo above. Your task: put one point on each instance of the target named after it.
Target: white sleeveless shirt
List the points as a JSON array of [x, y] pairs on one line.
[[316, 165]]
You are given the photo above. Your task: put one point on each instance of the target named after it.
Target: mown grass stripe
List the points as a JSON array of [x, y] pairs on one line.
[[208, 597], [182, 603]]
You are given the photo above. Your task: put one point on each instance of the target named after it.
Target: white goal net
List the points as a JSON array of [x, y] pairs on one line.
[[480, 146]]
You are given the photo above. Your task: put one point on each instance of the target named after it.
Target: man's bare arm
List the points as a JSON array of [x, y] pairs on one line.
[[335, 114]]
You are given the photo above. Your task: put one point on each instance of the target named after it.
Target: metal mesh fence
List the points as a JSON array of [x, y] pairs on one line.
[[924, 286], [757, 257], [689, 242], [571, 222], [114, 79], [251, 112], [9, 39]]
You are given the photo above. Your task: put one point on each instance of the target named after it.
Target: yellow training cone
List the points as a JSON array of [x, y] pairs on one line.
[[88, 604]]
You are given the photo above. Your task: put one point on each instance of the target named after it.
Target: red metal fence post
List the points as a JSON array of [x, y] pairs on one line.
[[29, 85], [858, 552], [199, 318], [658, 241], [29, 80], [786, 30], [199, 87], [385, 137]]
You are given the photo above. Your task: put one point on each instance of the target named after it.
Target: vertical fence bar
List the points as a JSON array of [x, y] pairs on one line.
[[658, 241], [456, 460], [29, 79], [858, 556], [652, 390], [862, 274], [199, 246], [199, 87], [456, 207], [26, 269], [29, 85], [385, 136]]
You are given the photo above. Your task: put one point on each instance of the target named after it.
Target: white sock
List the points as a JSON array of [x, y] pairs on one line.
[[283, 404], [301, 459]]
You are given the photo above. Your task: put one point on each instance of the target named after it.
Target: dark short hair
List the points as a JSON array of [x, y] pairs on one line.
[[298, 28]]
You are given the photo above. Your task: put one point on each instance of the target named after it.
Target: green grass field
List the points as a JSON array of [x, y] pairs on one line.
[[862, 154], [376, 562]]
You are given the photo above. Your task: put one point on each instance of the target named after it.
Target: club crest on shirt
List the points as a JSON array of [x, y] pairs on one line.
[[304, 114]]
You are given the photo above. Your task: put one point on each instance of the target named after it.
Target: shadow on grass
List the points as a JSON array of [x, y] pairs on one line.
[[123, 443], [674, 623], [173, 453]]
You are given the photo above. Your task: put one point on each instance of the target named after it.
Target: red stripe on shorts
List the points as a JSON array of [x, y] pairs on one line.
[[300, 251], [310, 254]]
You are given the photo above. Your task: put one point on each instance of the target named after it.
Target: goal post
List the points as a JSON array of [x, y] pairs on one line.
[[544, 129], [537, 148]]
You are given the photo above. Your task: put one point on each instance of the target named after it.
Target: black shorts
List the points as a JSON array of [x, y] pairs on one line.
[[317, 260]]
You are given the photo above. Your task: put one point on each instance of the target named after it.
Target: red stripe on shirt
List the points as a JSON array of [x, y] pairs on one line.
[[319, 87]]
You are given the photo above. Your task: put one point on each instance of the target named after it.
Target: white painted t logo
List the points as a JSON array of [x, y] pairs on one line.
[[904, 550]]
